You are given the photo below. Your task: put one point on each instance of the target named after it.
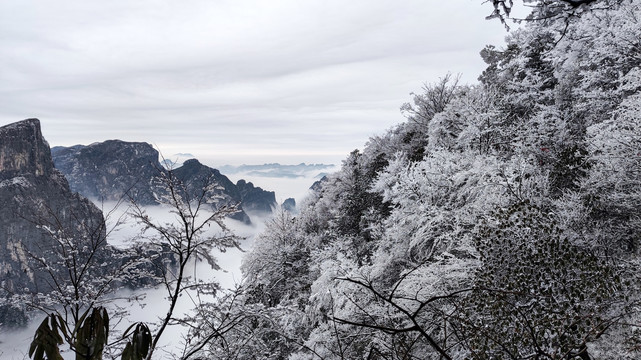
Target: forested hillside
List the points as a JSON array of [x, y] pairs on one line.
[[500, 220]]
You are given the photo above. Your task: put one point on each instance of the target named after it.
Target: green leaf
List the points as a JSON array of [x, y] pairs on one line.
[[46, 341], [92, 333], [139, 345]]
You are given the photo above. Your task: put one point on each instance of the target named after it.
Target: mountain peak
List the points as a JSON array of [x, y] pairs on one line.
[[192, 162], [23, 150]]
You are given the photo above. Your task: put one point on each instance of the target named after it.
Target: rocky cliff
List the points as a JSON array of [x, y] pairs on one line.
[[255, 199], [36, 202], [111, 169]]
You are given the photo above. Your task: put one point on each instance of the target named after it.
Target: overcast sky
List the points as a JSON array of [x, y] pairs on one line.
[[231, 81]]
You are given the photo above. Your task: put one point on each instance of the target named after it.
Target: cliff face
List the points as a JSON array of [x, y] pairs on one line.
[[111, 169], [255, 199], [108, 170], [36, 200], [23, 150]]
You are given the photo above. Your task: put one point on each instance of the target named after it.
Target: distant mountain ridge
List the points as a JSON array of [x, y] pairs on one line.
[[108, 170], [176, 160], [279, 170]]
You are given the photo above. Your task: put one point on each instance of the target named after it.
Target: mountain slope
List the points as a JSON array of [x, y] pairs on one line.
[[109, 170]]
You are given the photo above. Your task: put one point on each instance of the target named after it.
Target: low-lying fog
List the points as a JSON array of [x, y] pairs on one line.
[[15, 344]]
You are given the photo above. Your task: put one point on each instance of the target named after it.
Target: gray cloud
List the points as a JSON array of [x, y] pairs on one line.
[[226, 79]]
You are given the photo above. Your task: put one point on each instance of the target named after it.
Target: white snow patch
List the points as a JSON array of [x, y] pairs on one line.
[[18, 180]]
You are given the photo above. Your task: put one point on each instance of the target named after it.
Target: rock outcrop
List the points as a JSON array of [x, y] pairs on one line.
[[289, 205], [36, 202], [255, 199]]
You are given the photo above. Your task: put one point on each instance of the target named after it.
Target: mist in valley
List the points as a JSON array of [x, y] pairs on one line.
[[146, 305]]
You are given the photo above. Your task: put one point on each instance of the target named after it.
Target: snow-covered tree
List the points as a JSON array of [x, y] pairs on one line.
[[536, 293], [499, 221], [188, 238]]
